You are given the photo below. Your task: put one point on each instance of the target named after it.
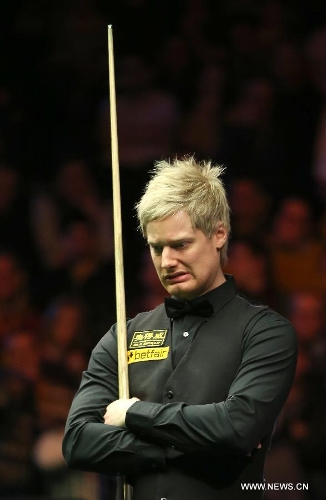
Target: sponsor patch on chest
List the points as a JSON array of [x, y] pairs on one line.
[[147, 345], [148, 338], [147, 354]]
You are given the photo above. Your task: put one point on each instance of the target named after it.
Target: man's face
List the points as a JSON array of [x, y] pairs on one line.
[[187, 262]]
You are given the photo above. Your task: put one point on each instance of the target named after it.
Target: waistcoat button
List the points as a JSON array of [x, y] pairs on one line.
[[170, 394]]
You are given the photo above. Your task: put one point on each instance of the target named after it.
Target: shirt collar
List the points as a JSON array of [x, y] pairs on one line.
[[220, 295]]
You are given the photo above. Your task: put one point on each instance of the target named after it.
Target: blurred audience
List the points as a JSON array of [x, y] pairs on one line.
[[251, 206], [65, 342], [85, 274], [15, 222], [53, 399], [306, 311], [19, 371], [16, 309], [295, 248], [249, 122], [249, 263], [201, 125], [73, 194], [316, 55]]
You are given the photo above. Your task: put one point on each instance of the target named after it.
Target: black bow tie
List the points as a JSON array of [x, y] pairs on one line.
[[177, 308]]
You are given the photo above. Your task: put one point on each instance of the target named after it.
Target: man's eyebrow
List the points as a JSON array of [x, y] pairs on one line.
[[154, 243], [169, 242]]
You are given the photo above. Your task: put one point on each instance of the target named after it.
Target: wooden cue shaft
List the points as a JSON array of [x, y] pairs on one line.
[[118, 247], [124, 490]]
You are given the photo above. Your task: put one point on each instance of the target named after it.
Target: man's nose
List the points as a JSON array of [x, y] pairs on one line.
[[168, 258]]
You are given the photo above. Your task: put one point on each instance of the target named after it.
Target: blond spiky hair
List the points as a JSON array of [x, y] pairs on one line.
[[189, 185]]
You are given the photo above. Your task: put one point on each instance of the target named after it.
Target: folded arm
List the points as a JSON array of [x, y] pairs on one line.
[[255, 399]]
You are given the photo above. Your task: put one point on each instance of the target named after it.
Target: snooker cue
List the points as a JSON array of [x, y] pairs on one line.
[[124, 490]]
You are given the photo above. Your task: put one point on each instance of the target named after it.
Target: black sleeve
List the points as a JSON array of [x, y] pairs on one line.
[[91, 445], [255, 398]]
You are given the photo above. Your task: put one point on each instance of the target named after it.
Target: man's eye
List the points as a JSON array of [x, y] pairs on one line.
[[157, 250], [180, 244]]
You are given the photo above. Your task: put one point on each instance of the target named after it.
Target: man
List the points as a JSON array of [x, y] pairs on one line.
[[209, 371]]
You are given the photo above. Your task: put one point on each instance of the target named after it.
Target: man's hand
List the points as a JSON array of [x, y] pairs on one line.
[[116, 412]]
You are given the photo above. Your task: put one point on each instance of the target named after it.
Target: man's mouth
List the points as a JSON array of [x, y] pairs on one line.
[[176, 277]]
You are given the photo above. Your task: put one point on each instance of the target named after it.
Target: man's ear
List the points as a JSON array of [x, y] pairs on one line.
[[220, 236]]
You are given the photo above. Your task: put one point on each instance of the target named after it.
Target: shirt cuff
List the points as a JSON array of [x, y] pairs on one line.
[[137, 420], [140, 415]]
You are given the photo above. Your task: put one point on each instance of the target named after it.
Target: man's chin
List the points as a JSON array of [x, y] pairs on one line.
[[181, 291]]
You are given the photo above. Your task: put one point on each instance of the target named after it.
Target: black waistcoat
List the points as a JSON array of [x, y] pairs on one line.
[[204, 375]]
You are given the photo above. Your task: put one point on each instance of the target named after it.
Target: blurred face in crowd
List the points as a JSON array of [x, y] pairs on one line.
[[74, 182], [11, 278], [186, 260], [307, 315], [21, 354], [80, 241], [53, 401], [66, 324], [293, 222], [248, 267], [247, 199]]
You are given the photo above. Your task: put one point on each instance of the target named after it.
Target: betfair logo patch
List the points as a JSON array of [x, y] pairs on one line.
[[156, 354], [148, 338]]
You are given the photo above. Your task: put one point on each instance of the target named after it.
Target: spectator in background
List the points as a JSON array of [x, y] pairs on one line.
[[300, 438], [177, 69], [249, 263], [85, 275], [295, 249], [306, 311], [249, 123], [200, 129], [21, 355], [15, 227], [316, 55], [243, 42], [148, 117], [295, 98], [64, 348], [303, 420], [251, 209], [65, 339], [74, 194], [53, 399], [284, 461], [19, 372], [16, 309]]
